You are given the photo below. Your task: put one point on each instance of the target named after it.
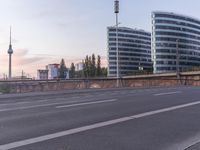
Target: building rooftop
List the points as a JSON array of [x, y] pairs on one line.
[[172, 13], [128, 28]]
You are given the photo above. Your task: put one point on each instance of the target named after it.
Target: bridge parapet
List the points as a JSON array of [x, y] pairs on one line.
[[170, 79]]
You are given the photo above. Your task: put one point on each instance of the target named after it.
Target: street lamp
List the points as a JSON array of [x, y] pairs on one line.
[[116, 9]]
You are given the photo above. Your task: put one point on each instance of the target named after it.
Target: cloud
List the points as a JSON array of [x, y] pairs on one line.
[[21, 60], [21, 57]]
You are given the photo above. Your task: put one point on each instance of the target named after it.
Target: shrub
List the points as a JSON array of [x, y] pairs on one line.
[[5, 88]]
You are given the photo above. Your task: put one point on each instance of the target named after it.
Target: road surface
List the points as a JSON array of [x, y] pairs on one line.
[[112, 119]]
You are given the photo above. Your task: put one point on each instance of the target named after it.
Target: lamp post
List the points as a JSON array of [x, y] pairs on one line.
[[116, 9]]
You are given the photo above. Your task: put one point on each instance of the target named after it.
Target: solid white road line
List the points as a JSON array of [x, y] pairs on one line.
[[87, 103], [90, 127], [24, 102], [169, 93], [37, 106]]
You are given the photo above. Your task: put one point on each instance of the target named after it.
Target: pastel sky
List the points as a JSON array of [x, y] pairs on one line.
[[44, 31]]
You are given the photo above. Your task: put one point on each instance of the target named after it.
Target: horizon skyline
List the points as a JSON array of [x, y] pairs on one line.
[[45, 32]]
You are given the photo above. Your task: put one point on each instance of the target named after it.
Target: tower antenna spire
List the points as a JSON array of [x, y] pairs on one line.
[[10, 34]]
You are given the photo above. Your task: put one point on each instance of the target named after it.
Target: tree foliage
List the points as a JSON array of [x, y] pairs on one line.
[[62, 69], [72, 71], [98, 69], [91, 68]]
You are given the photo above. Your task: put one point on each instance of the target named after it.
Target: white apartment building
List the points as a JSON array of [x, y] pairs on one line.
[[53, 71]]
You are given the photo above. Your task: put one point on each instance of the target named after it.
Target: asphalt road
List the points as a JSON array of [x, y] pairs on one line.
[[111, 119]]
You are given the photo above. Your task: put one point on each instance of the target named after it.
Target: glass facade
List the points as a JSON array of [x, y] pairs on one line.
[[134, 51], [175, 42]]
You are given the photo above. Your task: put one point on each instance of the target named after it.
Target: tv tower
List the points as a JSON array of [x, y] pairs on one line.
[[10, 52]]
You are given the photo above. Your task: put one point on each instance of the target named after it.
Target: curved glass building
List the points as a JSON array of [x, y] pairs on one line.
[[134, 51], [175, 42]]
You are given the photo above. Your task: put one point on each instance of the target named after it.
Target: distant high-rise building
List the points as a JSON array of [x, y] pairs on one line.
[[134, 51], [10, 52], [42, 74], [79, 66], [66, 74], [53, 71], [175, 42]]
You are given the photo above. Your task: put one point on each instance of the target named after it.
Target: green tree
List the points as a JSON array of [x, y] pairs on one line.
[[104, 72], [90, 67], [93, 66], [72, 71], [62, 69], [86, 67], [98, 69], [81, 74]]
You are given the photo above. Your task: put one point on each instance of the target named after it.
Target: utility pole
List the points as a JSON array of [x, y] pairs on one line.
[[177, 60], [116, 9]]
